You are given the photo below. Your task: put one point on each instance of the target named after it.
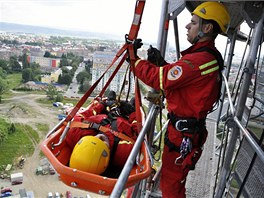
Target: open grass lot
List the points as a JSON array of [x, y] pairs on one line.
[[13, 81], [20, 142]]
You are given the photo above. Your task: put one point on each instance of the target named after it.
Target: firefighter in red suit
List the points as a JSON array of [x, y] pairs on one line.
[[191, 87], [115, 115]]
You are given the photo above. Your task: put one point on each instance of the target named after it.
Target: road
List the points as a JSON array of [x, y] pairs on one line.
[[23, 108], [72, 91]]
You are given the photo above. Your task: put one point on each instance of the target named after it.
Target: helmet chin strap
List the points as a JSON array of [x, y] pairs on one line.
[[197, 38]]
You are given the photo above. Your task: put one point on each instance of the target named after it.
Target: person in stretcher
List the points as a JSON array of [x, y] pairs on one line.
[[102, 134]]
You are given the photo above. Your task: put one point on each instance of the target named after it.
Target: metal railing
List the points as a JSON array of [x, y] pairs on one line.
[[120, 184]]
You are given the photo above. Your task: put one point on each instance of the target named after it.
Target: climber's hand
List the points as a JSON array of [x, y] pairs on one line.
[[137, 44], [154, 56]]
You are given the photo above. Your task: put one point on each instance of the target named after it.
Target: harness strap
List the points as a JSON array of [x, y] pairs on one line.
[[101, 128], [186, 125]]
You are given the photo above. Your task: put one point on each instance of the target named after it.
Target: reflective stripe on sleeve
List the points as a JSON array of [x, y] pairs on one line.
[[136, 63], [160, 77], [204, 66], [210, 70], [207, 64]]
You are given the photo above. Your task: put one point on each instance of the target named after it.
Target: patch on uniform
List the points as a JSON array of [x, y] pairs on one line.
[[175, 73]]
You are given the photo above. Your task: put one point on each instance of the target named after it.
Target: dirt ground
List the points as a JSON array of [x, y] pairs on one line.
[[23, 108]]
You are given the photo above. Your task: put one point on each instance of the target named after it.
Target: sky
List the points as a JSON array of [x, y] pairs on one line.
[[106, 16]]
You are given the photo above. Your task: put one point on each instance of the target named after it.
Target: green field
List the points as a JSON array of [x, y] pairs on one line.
[[18, 143]]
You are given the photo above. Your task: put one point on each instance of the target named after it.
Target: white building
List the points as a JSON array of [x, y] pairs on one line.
[[101, 61]]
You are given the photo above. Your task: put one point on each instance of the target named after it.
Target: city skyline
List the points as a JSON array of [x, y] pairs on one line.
[[109, 17], [113, 17]]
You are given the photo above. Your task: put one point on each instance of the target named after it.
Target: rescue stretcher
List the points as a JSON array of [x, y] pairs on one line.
[[58, 152]]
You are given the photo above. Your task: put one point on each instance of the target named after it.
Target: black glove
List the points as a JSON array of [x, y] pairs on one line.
[[154, 56], [137, 45]]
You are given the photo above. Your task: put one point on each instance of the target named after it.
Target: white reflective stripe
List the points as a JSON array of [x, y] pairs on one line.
[[136, 19], [207, 64], [136, 63], [160, 77]]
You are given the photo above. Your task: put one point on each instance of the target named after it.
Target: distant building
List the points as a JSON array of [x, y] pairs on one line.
[[7, 52], [101, 61], [52, 78], [36, 51], [44, 61]]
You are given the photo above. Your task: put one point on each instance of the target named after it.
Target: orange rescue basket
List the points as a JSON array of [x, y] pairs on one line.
[[59, 156]]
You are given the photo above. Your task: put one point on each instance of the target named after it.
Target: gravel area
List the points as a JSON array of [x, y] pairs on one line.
[[23, 108]]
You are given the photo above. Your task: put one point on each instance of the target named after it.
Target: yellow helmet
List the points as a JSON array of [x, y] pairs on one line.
[[90, 154], [213, 11]]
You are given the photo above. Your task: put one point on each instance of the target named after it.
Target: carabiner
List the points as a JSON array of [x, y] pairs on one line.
[[179, 160]]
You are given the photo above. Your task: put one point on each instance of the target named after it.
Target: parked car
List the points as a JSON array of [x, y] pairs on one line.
[[50, 195], [4, 190], [6, 194], [16, 178], [61, 116], [57, 195], [68, 194]]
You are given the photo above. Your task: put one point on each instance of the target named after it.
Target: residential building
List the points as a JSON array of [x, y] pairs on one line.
[[101, 61], [52, 78], [44, 61]]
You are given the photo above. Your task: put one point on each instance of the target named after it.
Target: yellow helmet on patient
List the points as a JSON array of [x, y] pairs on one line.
[[91, 155]]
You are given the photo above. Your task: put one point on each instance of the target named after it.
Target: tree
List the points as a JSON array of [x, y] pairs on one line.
[[82, 76], [15, 66], [27, 74], [47, 54], [70, 55], [3, 88], [65, 79], [59, 98], [4, 65], [25, 62], [2, 73], [35, 67], [51, 92], [64, 62], [63, 56], [85, 86]]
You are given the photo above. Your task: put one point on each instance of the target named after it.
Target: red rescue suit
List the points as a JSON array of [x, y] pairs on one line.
[[191, 86], [120, 124]]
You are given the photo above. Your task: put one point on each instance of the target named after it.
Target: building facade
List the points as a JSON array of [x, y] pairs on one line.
[[101, 61], [44, 61]]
